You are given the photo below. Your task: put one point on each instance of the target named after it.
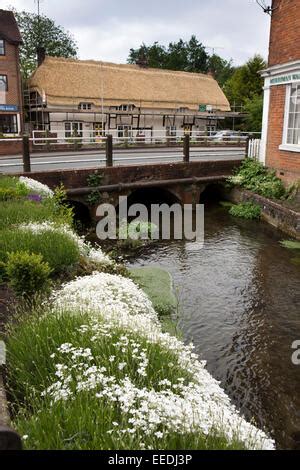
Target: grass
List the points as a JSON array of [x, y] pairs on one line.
[[157, 284], [57, 249], [85, 421], [21, 211]]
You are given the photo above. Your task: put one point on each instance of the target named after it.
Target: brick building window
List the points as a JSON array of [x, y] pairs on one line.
[[3, 83], [2, 47], [293, 118], [8, 124]]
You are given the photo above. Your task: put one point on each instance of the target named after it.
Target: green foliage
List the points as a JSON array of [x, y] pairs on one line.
[[157, 284], [94, 180], [254, 110], [246, 82], [190, 56], [252, 175], [246, 210], [57, 249], [291, 245], [12, 188], [17, 212], [94, 197], [27, 273], [45, 33], [221, 69]]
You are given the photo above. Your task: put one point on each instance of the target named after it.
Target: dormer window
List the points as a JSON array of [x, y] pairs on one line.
[[2, 47], [85, 106], [126, 107]]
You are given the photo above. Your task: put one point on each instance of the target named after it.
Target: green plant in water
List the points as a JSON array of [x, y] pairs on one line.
[[291, 245], [246, 210]]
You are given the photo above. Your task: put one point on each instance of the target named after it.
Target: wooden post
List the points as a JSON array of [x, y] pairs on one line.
[[186, 148], [109, 150], [26, 155]]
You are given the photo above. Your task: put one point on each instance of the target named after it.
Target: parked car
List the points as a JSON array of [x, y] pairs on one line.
[[229, 136]]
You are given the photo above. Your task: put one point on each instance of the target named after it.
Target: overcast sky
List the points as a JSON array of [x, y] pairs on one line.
[[107, 29]]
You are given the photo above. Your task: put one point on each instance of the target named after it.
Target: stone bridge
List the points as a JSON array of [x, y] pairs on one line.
[[167, 182]]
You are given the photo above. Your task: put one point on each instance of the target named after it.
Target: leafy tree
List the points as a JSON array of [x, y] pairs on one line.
[[186, 56], [246, 82], [254, 110], [43, 32], [221, 69], [189, 56]]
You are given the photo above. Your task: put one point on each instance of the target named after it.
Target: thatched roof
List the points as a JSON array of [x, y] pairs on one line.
[[69, 82]]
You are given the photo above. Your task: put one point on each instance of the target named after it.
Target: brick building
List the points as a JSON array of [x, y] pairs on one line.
[[10, 79], [281, 120]]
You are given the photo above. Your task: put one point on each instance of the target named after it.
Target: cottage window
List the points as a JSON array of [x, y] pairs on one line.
[[124, 131], [73, 129], [293, 118], [126, 107], [2, 47], [85, 106], [172, 131], [3, 83], [8, 124]]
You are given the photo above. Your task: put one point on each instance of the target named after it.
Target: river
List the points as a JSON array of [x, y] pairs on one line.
[[239, 302]]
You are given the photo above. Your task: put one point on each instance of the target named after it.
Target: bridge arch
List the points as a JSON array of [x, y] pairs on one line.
[[153, 195], [81, 211]]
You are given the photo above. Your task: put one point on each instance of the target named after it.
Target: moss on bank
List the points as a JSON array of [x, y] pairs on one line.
[[158, 285]]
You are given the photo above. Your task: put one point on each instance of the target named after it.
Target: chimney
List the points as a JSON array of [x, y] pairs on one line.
[[41, 54]]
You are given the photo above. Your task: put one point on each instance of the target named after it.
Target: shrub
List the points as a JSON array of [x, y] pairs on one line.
[[252, 175], [57, 249], [12, 188], [246, 210], [27, 273]]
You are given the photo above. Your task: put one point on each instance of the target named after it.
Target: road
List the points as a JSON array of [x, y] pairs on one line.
[[93, 159]]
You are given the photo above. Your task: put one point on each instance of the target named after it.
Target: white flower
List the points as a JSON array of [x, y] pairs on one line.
[[122, 365], [36, 186]]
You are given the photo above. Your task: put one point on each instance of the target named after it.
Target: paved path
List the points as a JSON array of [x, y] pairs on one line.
[[92, 159]]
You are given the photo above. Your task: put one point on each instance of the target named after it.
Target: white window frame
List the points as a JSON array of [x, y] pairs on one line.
[[285, 145]]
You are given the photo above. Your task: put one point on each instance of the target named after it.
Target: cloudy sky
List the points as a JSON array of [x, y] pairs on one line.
[[107, 29]]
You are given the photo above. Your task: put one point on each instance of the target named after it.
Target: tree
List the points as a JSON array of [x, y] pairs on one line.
[[221, 69], [42, 32], [186, 56], [246, 82], [254, 110]]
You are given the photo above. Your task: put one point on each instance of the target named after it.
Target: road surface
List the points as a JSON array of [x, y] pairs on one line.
[[93, 159]]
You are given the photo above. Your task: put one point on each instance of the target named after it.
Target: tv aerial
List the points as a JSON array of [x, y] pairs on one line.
[[267, 9]]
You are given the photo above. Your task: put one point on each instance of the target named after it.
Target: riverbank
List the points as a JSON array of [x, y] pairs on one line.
[[89, 366], [277, 214]]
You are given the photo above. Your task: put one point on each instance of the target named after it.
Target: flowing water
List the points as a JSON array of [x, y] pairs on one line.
[[239, 303]]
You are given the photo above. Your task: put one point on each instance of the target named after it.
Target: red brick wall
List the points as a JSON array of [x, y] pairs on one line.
[[284, 38], [9, 65], [284, 162]]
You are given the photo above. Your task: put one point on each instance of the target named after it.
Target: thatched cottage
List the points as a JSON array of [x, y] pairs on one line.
[[92, 98]]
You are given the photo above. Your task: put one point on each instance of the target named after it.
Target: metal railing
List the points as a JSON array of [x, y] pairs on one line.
[[186, 141]]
